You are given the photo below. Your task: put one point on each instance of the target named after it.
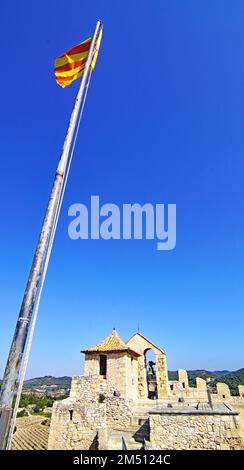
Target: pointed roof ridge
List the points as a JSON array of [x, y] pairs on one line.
[[148, 340], [112, 343]]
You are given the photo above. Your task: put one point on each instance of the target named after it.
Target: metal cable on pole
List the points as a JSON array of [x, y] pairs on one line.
[[46, 263]]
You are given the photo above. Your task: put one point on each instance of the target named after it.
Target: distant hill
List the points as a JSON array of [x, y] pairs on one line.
[[48, 380], [47, 384]]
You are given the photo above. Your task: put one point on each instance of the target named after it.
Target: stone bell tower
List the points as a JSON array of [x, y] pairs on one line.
[[141, 345], [116, 363]]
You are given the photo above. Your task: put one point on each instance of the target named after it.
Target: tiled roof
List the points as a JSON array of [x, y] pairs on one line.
[[112, 343]]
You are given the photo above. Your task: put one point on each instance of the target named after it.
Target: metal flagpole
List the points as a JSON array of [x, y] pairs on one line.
[[42, 281], [21, 331]]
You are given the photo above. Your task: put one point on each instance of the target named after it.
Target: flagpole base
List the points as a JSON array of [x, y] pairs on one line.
[[5, 418]]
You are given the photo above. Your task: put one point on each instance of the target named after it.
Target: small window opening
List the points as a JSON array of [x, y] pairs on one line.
[[103, 365], [223, 396], [132, 371], [183, 385], [71, 414], [171, 387]]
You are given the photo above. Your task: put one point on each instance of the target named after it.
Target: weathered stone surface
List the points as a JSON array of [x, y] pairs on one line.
[[191, 432], [74, 426], [223, 391], [141, 345], [118, 412], [115, 398], [183, 379], [241, 390]]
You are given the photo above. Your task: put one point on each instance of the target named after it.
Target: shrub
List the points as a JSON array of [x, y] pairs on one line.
[[22, 413], [102, 398]]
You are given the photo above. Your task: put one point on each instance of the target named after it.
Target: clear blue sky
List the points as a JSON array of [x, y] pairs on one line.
[[163, 124]]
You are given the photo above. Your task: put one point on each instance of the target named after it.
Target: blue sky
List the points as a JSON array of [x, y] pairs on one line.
[[163, 124]]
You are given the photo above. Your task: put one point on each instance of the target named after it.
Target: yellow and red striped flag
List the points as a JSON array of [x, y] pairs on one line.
[[71, 64]]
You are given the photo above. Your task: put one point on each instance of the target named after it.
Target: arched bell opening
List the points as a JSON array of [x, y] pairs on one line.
[[150, 366]]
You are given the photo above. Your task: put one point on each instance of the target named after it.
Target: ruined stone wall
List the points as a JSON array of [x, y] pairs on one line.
[[89, 389], [161, 374], [201, 384], [223, 391], [223, 395], [241, 390], [86, 389], [235, 400], [118, 412], [186, 431], [60, 418], [183, 378], [78, 421], [74, 426], [198, 393]]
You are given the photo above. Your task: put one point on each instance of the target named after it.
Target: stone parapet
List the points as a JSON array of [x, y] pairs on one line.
[[176, 430]]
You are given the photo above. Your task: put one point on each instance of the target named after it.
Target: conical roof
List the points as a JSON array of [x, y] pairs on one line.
[[112, 343]]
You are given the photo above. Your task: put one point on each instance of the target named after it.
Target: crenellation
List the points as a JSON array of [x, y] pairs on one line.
[[118, 393]]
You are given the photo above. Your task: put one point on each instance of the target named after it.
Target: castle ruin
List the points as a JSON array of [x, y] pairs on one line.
[[121, 401]]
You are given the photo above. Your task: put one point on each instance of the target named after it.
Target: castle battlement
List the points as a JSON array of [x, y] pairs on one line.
[[122, 397]]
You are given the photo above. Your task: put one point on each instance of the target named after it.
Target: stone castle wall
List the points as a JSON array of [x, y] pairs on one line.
[[223, 391], [161, 374], [86, 389], [199, 393], [99, 404], [74, 426], [180, 388], [118, 412], [78, 426], [241, 390], [189, 432], [183, 378]]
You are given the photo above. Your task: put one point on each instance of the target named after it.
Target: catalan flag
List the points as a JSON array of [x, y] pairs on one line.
[[71, 64]]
